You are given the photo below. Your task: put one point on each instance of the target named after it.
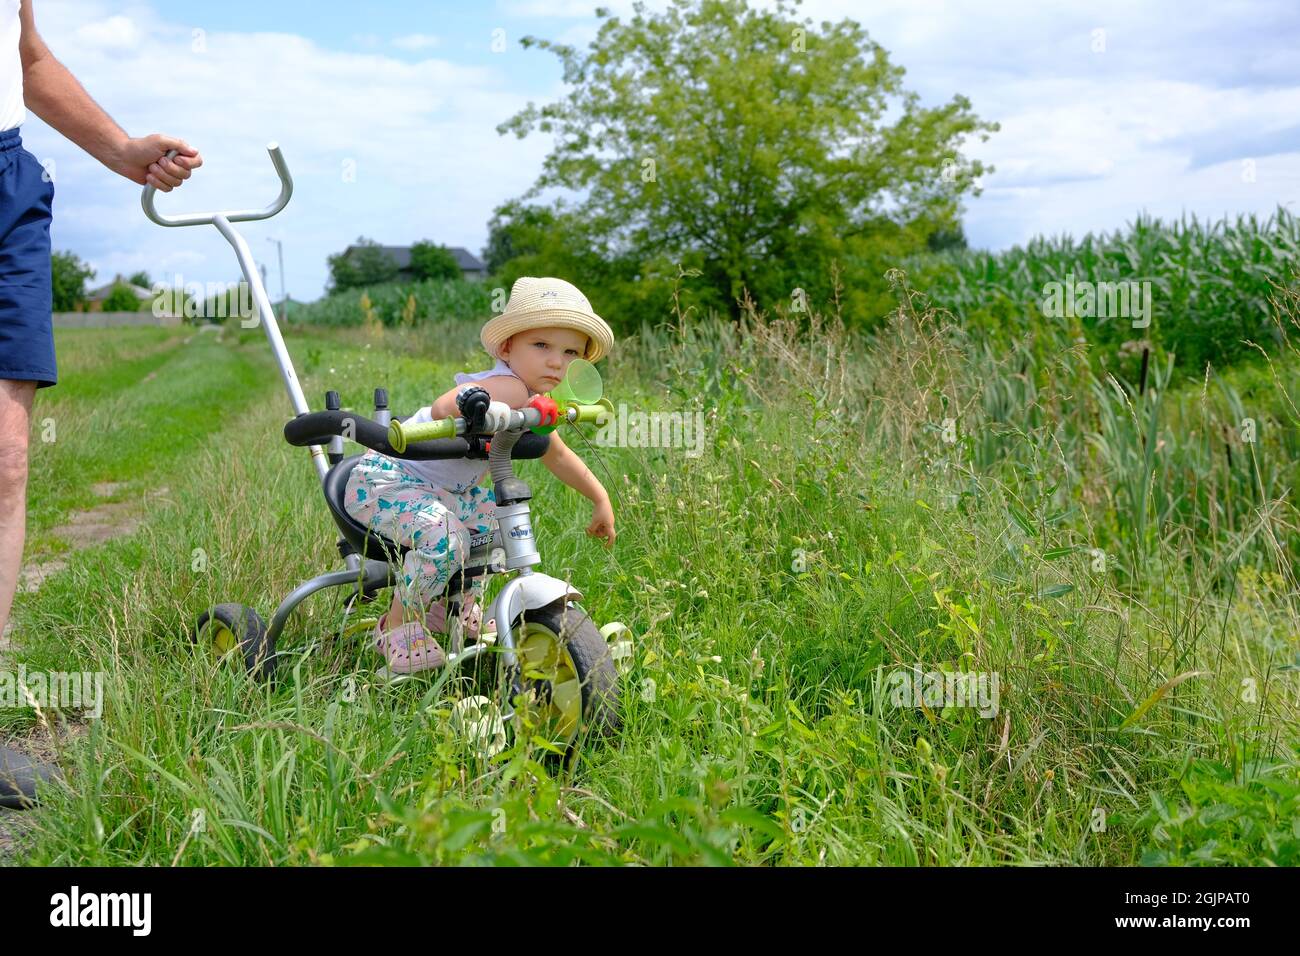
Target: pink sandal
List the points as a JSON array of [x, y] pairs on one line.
[[409, 647], [471, 618]]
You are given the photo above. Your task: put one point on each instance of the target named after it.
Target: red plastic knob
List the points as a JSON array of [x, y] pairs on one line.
[[546, 406]]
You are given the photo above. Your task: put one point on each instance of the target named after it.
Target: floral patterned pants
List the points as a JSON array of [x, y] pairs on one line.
[[436, 524]]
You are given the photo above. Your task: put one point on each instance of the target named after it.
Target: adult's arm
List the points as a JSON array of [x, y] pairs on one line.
[[53, 93]]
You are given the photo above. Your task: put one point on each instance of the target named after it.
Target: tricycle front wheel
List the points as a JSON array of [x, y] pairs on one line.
[[568, 674]]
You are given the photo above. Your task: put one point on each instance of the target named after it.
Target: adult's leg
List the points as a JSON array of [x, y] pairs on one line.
[[15, 415]]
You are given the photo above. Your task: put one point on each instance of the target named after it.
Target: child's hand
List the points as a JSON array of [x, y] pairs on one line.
[[602, 522]]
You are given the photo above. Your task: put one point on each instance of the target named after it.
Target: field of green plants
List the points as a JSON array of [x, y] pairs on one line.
[[1121, 554], [1211, 284], [399, 303]]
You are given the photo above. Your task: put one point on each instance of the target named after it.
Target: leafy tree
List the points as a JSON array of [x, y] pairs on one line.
[[565, 246], [141, 279], [944, 239], [69, 275], [515, 230], [430, 261], [367, 264], [752, 146], [121, 298]]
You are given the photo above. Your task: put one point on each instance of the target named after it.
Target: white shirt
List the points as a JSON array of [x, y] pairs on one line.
[[453, 474], [12, 110]]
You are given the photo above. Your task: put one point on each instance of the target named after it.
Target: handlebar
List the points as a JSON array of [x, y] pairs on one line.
[[399, 435], [242, 215], [318, 428]]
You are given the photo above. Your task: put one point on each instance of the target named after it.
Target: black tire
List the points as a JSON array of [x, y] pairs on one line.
[[592, 662], [19, 775], [248, 630]]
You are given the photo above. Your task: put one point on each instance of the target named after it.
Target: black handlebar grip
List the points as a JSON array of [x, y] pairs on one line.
[[473, 403]]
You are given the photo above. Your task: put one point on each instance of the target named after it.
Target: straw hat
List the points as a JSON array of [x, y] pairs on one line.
[[547, 303]]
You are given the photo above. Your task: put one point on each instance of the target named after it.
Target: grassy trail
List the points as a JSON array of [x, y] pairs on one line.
[[131, 407]]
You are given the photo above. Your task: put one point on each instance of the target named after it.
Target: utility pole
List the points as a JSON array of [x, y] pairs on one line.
[[284, 298]]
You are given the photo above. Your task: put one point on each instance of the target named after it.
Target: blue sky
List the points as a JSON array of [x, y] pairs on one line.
[[387, 114]]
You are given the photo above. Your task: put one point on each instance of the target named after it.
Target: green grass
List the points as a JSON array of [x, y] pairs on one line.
[[828, 534]]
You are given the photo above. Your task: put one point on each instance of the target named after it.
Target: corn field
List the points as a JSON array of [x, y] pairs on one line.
[[1210, 282], [395, 304]]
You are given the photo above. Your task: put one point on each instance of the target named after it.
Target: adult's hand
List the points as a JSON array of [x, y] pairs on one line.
[[143, 160]]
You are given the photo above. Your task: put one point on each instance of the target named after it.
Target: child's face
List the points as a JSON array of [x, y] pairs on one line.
[[541, 357]]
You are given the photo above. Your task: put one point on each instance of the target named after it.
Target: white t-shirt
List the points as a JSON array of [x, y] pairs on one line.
[[454, 474], [12, 110]]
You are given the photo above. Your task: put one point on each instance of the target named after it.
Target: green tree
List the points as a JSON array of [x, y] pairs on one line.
[[235, 301], [365, 265], [141, 279], [68, 280], [752, 146], [430, 261], [515, 230], [945, 239], [122, 299]]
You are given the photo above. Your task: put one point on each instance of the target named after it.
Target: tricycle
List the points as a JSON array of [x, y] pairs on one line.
[[546, 666]]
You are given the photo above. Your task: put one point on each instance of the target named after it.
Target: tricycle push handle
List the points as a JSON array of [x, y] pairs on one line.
[[242, 215]]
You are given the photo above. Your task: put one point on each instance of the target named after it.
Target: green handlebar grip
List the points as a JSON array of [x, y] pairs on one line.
[[399, 435], [594, 413]]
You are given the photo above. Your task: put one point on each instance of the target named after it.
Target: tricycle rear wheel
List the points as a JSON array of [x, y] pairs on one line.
[[230, 627]]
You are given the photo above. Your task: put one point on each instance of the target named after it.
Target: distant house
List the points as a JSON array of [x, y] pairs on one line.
[[95, 298], [470, 265]]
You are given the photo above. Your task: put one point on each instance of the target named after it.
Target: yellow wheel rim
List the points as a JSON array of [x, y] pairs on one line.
[[223, 638], [551, 682]]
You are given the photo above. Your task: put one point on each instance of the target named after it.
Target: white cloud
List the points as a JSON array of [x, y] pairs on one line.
[[1088, 140], [419, 137], [580, 35], [416, 41], [115, 33], [568, 9]]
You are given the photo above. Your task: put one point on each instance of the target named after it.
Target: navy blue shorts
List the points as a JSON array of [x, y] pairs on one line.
[[26, 327]]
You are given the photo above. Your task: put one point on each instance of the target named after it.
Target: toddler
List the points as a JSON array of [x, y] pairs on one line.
[[434, 507]]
